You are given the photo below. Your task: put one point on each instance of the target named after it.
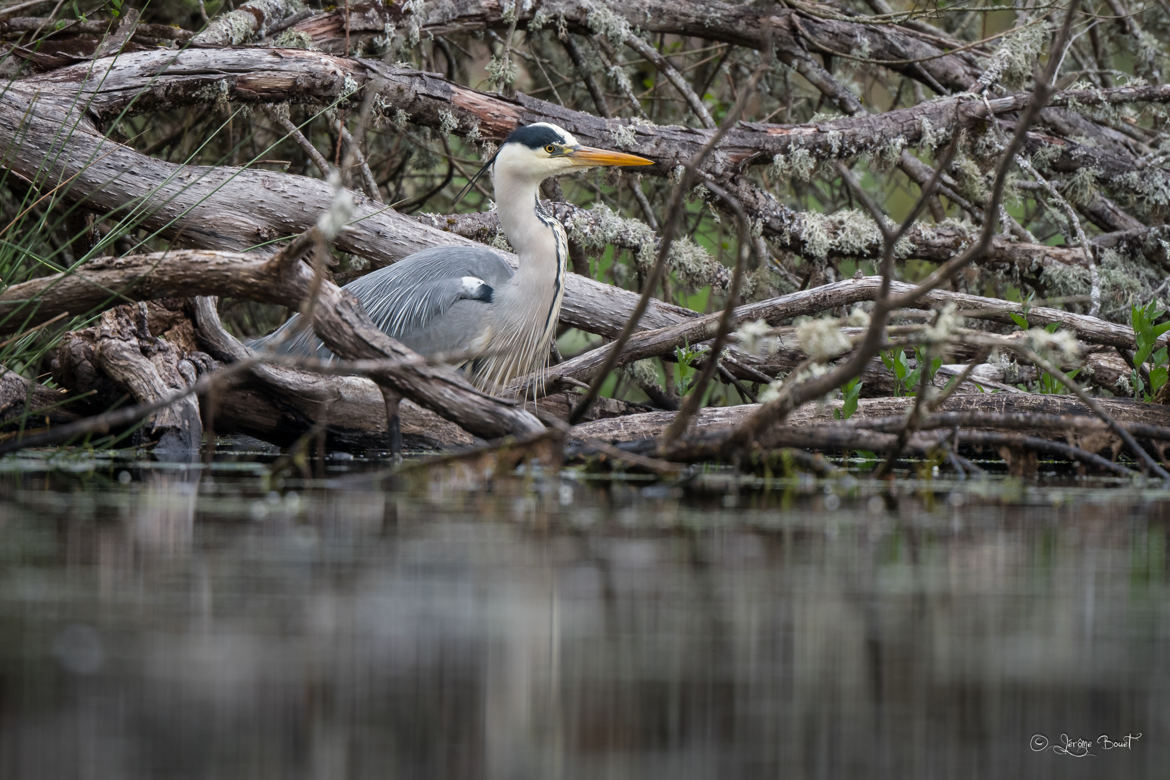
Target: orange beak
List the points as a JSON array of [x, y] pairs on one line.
[[587, 155]]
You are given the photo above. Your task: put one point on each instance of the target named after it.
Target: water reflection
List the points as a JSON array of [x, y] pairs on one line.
[[173, 627]]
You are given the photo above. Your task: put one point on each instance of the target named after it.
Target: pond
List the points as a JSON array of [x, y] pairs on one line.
[[209, 622]]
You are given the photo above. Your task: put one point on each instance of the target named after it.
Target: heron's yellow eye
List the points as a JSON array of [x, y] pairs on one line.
[[551, 149]]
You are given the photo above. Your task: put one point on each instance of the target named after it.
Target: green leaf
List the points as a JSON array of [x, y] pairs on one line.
[[851, 391], [1158, 378]]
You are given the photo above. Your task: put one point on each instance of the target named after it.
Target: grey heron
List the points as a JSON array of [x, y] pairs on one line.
[[469, 300]]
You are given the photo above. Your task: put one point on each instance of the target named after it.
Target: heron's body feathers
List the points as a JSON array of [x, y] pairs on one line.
[[432, 300]]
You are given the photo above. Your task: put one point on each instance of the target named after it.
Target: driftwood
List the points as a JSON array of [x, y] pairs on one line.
[[1002, 425], [126, 353], [1030, 413], [28, 405]]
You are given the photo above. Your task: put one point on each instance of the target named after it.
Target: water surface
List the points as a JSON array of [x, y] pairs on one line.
[[213, 623]]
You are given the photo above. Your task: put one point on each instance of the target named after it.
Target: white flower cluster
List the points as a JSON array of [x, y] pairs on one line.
[[944, 325], [776, 386], [822, 339], [334, 219], [757, 337], [858, 317], [1062, 346]]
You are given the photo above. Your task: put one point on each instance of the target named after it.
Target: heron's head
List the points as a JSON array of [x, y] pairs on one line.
[[541, 150]]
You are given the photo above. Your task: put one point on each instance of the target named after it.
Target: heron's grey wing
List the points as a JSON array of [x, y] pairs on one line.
[[433, 301], [413, 299]]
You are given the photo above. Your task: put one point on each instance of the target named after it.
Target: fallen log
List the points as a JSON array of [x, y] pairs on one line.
[[1029, 413]]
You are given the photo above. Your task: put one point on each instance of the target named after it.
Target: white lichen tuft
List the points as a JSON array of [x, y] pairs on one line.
[[1149, 51], [1044, 156], [972, 179], [833, 138], [644, 373], [448, 123], [1124, 283], [601, 226], [1081, 187], [1012, 63], [619, 78], [797, 163], [415, 13], [889, 155], [848, 232], [605, 22], [540, 19], [625, 134], [502, 71], [216, 93], [293, 39], [473, 134], [854, 232], [816, 238], [1149, 188], [933, 137], [239, 26], [1065, 280]]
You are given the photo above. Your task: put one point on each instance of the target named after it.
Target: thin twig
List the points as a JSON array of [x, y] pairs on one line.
[[674, 211]]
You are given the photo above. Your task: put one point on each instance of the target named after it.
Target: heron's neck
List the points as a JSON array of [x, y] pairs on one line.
[[535, 234], [530, 302]]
